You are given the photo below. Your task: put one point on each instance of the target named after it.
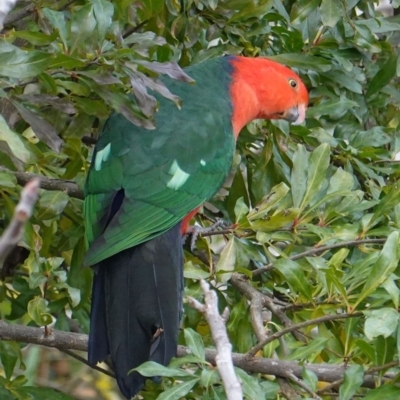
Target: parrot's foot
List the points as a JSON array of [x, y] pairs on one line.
[[195, 230]]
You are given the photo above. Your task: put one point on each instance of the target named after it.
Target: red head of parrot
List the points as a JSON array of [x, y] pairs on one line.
[[265, 89]]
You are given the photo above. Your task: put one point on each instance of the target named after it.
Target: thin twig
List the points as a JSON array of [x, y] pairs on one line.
[[383, 367], [13, 233], [330, 317], [134, 29], [317, 250], [300, 383], [223, 359], [69, 187], [331, 386], [84, 361]]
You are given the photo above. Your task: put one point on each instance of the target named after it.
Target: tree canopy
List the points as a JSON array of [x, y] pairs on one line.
[[309, 264]]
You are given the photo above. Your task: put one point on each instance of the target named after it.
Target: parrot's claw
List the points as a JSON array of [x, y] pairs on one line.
[[195, 230]]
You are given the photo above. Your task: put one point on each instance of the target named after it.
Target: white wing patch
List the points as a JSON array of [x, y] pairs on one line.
[[101, 156], [179, 177], [203, 163]]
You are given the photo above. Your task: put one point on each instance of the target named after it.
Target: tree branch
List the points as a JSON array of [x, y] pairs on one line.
[[69, 187], [223, 358], [78, 341], [258, 300], [23, 211], [317, 250]]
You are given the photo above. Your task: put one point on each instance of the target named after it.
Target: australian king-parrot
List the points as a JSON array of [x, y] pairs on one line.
[[144, 185]]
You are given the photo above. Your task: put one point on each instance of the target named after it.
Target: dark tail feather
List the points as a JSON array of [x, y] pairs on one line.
[[143, 305], [98, 338]]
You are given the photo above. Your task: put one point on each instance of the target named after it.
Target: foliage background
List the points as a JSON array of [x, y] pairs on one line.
[[65, 65]]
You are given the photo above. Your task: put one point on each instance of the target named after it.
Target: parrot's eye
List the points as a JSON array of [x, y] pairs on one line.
[[293, 83]]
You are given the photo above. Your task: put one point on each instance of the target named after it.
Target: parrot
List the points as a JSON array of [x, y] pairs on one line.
[[144, 186]]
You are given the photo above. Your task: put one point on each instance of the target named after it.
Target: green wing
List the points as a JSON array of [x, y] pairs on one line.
[[157, 177]]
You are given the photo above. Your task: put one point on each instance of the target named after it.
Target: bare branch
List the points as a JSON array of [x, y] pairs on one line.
[[258, 300], [223, 358], [78, 341], [69, 187], [321, 249], [13, 233]]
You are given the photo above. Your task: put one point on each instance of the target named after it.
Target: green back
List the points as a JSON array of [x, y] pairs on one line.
[[165, 173]]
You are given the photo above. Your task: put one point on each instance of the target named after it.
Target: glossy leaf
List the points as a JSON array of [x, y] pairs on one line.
[[353, 379], [151, 368], [195, 343], [178, 390]]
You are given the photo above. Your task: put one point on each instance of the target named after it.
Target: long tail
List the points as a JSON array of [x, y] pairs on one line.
[[137, 307]]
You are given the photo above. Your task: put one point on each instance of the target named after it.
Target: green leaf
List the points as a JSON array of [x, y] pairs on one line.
[[7, 180], [387, 202], [51, 204], [380, 322], [195, 343], [319, 163], [36, 38], [383, 76], [334, 108], [21, 64], [39, 312], [382, 269], [239, 327], [83, 24], [172, 69], [299, 175], [251, 10], [294, 276], [191, 271], [57, 19], [277, 193], [5, 394], [151, 368], [301, 9], [304, 61], [270, 389], [384, 350], [251, 386], [341, 180], [241, 209], [178, 391], [353, 379], [331, 12], [10, 354], [43, 130], [14, 141], [209, 377], [124, 105], [227, 260], [103, 11], [310, 379], [312, 348], [387, 392]]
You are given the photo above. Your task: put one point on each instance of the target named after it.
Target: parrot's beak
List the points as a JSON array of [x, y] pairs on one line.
[[296, 114]]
